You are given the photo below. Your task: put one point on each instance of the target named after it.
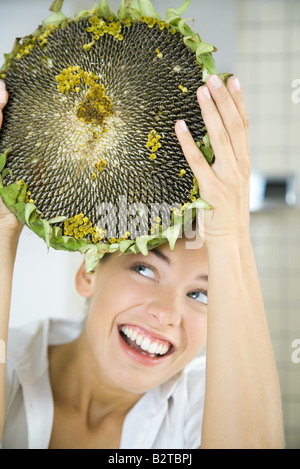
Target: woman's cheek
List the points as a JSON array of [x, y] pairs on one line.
[[117, 294], [196, 327]]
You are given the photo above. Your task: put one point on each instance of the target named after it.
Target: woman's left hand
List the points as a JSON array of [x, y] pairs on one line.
[[225, 185]]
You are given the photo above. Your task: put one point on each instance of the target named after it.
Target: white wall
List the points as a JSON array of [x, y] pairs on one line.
[[44, 280]]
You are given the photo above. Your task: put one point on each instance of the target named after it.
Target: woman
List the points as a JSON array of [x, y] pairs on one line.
[[131, 375]]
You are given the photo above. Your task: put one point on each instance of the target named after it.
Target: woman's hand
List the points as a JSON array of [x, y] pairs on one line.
[[225, 185], [10, 227], [239, 356]]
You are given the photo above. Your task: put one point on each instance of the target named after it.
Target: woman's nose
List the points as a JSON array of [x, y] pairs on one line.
[[165, 310]]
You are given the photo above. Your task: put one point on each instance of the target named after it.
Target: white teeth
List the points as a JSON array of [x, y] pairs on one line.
[[153, 348], [138, 340], [145, 345], [145, 342]]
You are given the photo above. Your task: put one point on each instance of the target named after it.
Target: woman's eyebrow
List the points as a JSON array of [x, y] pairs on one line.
[[168, 261], [161, 256], [202, 277]]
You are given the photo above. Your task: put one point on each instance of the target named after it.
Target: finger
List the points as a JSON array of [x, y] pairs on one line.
[[193, 155], [218, 135], [230, 116], [3, 95], [235, 89]]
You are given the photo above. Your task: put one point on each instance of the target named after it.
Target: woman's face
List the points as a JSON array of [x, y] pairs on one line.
[[148, 315]]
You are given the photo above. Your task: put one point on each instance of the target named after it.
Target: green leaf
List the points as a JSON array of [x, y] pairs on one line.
[[147, 9], [6, 171], [208, 63], [10, 194], [142, 244], [225, 77], [123, 13], [3, 160], [57, 231], [172, 234], [55, 20], [47, 232], [83, 13], [56, 6], [92, 258], [22, 193], [206, 149], [184, 29], [200, 203], [172, 14], [104, 9], [29, 213], [130, 9], [125, 245], [203, 48], [113, 247], [57, 220]]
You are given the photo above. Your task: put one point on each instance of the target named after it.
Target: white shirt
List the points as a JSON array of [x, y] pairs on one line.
[[167, 417]]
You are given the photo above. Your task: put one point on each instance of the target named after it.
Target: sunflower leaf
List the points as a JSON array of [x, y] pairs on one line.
[[184, 29], [2, 160], [130, 9], [91, 260], [10, 194], [172, 14], [142, 244], [104, 9], [172, 234], [55, 19], [57, 220], [56, 6], [208, 63], [203, 48], [147, 9], [29, 211]]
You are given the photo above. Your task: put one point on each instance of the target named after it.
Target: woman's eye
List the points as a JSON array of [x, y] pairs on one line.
[[145, 271], [198, 296]]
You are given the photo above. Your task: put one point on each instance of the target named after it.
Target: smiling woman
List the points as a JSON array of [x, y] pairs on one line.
[[130, 374], [147, 320]]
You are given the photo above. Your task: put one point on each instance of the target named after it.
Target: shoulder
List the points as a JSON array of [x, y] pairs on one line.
[[192, 393], [27, 369], [27, 347]]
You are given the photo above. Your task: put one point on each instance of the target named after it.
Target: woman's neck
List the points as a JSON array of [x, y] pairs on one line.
[[78, 383]]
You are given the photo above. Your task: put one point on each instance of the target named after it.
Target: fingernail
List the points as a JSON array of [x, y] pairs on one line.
[[215, 81], [2, 85], [235, 84], [206, 93], [183, 126]]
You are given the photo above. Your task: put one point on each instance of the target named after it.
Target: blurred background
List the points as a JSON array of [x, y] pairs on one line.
[[258, 41]]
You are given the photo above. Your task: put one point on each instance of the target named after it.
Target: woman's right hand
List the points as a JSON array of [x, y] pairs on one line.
[[9, 225]]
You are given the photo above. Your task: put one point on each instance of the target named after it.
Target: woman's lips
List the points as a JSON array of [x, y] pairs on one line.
[[144, 342]]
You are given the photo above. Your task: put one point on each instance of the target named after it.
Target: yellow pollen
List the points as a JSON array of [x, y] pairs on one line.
[[30, 43], [99, 28], [151, 22], [153, 143], [183, 89], [80, 227]]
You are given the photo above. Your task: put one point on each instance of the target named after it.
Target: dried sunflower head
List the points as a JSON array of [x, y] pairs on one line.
[[89, 157]]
